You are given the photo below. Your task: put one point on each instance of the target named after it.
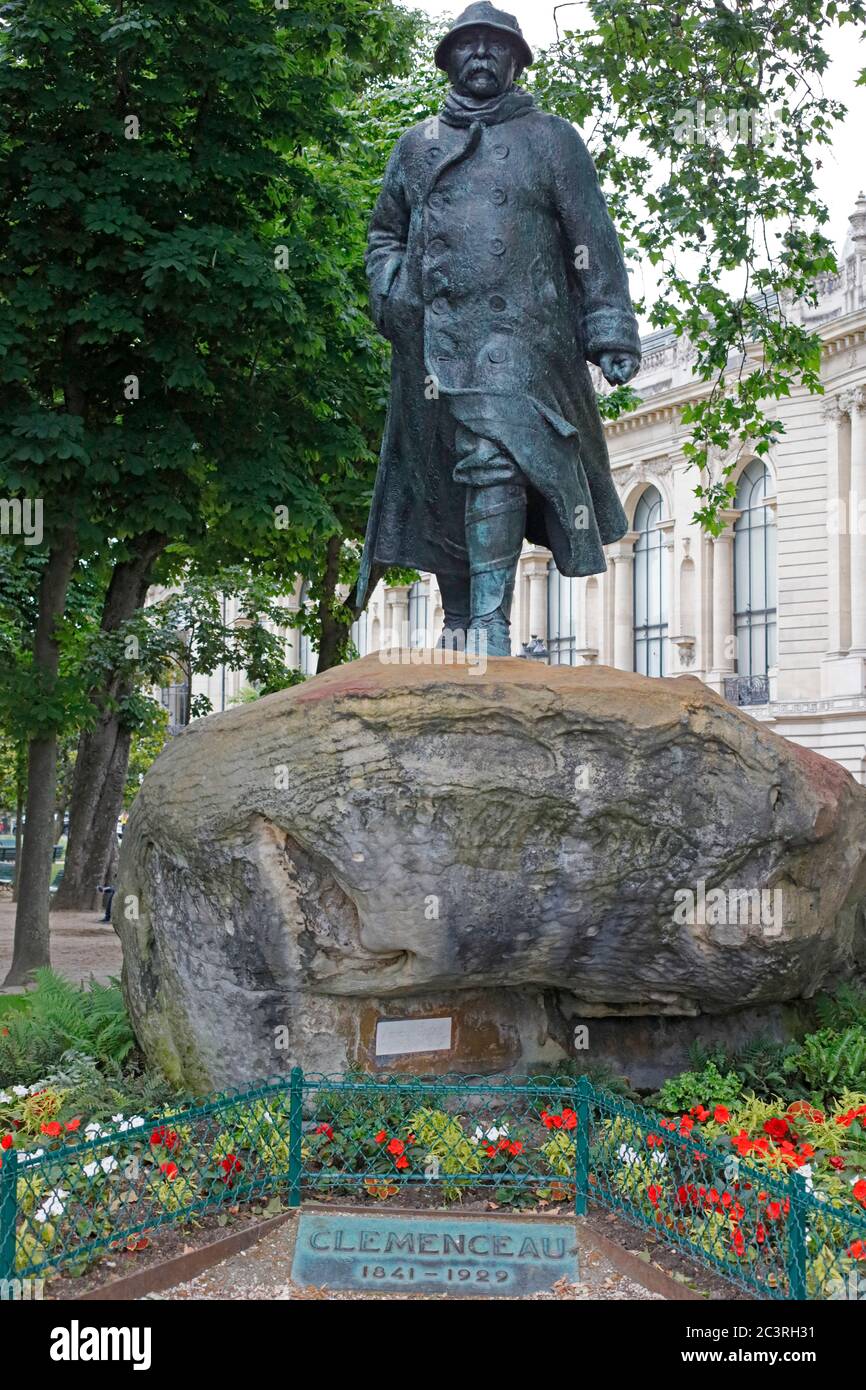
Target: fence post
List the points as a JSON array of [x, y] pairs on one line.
[[581, 1146], [8, 1212], [797, 1236], [296, 1114]]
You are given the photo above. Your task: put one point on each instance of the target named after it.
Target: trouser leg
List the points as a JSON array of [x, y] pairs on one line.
[[495, 528]]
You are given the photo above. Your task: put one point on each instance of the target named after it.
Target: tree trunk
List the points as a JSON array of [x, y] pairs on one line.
[[103, 752], [32, 943], [20, 797], [335, 621]]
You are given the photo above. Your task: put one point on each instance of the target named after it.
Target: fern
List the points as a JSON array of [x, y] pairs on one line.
[[844, 1009], [62, 1017]]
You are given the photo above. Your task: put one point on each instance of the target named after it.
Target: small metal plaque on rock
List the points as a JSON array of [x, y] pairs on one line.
[[459, 1256]]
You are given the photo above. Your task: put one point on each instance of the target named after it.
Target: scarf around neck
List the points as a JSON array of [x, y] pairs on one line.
[[464, 111]]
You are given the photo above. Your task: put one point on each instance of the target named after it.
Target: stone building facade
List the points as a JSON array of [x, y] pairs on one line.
[[771, 613]]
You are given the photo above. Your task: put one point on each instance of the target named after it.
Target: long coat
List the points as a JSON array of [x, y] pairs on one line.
[[496, 273]]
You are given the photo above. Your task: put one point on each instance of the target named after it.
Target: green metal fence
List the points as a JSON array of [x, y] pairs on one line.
[[407, 1140]]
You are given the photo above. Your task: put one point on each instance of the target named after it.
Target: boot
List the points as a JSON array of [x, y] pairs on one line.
[[454, 589], [495, 527]]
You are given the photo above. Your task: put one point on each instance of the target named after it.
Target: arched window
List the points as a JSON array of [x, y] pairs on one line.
[[650, 586], [561, 617], [308, 656], [755, 572], [419, 605], [359, 634]]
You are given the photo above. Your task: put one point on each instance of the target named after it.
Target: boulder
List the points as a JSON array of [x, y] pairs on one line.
[[453, 867]]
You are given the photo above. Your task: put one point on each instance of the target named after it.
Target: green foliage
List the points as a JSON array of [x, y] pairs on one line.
[[61, 1017], [844, 1008], [831, 1061], [706, 1087]]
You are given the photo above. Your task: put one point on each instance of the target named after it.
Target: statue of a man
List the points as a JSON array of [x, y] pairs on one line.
[[496, 273]]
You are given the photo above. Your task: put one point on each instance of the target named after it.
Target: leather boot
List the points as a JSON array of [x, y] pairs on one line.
[[454, 589], [495, 528]]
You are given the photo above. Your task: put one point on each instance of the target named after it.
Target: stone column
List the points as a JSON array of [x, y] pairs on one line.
[[857, 522], [535, 562], [837, 525], [622, 555], [672, 608], [396, 616], [724, 653]]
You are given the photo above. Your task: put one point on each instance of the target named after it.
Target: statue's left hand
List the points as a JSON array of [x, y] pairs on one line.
[[618, 367]]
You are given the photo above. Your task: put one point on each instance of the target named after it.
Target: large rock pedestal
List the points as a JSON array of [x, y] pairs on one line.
[[505, 854]]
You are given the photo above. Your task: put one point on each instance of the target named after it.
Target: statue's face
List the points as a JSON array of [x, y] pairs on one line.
[[481, 62]]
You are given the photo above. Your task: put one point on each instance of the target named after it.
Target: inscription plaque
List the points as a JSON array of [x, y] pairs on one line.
[[395, 1035], [459, 1256]]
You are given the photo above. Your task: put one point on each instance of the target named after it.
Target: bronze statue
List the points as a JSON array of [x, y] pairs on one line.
[[496, 273]]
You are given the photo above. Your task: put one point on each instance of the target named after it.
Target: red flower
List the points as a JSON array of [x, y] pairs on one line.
[[158, 1135], [231, 1164], [504, 1144], [739, 1242], [687, 1124], [721, 1114], [700, 1112], [325, 1129], [52, 1129], [489, 1150], [837, 1162], [381, 1137], [858, 1250], [776, 1128], [546, 1120], [774, 1211], [73, 1124], [569, 1119], [402, 1162], [760, 1233], [396, 1147], [6, 1142], [169, 1169], [654, 1141], [859, 1190], [654, 1193], [516, 1148]]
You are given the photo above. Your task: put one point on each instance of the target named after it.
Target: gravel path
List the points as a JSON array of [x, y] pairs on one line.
[[262, 1272], [81, 944]]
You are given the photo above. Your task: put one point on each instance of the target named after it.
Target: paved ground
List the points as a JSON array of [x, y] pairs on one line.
[[263, 1272], [81, 945]]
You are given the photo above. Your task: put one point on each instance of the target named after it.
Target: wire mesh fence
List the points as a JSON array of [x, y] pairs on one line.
[[425, 1142]]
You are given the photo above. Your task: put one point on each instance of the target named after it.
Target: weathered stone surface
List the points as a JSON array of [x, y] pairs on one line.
[[510, 849]]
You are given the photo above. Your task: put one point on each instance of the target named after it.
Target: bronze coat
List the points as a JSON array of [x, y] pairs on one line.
[[496, 273]]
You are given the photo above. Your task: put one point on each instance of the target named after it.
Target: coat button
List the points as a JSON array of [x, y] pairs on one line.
[[498, 195], [497, 354], [436, 246], [434, 152], [496, 302], [438, 200], [497, 246], [439, 305], [500, 151]]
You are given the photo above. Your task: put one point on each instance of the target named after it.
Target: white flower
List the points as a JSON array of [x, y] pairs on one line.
[[116, 1119], [136, 1122], [805, 1171], [105, 1165], [627, 1154], [4, 1099], [93, 1130], [659, 1158], [53, 1205], [23, 1157], [19, 1091]]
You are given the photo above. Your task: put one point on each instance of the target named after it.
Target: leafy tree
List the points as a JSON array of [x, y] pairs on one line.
[[702, 119], [148, 160]]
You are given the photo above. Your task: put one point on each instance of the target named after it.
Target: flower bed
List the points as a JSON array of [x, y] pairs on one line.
[[774, 1197]]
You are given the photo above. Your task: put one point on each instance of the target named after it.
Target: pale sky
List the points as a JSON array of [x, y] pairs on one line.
[[843, 174]]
